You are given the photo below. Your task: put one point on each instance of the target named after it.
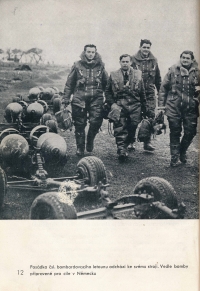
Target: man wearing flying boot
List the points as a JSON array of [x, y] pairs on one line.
[[126, 96], [145, 61], [179, 95], [87, 82]]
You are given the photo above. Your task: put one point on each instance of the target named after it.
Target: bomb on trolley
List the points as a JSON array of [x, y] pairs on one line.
[[30, 150], [151, 198], [50, 97]]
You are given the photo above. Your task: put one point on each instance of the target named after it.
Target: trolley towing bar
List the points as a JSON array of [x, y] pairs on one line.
[[144, 202]]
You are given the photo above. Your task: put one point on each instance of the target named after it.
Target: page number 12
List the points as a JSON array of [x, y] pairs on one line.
[[20, 272]]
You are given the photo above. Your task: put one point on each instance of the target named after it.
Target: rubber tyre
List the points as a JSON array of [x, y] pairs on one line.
[[23, 104], [8, 131], [162, 191], [3, 188], [51, 205], [44, 104], [93, 169], [56, 105], [36, 132], [101, 169]]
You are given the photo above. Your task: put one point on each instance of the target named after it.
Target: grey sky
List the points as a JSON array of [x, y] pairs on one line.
[[62, 27]]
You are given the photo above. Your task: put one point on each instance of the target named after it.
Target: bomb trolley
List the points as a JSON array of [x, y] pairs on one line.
[[152, 197], [25, 154], [24, 149], [50, 98], [146, 202]]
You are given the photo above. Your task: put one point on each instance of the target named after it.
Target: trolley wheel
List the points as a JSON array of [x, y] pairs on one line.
[[36, 132], [3, 184], [52, 205], [23, 104], [8, 131], [56, 105], [161, 190], [44, 104], [92, 170]]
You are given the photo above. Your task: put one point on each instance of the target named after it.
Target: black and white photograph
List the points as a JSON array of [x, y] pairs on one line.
[[99, 133]]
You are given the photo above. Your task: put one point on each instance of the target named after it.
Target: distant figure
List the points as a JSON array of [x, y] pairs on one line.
[[179, 95], [126, 95], [87, 82], [145, 61]]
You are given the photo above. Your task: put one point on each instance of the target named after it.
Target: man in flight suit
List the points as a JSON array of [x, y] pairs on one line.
[[179, 95], [145, 61], [126, 96], [87, 82]]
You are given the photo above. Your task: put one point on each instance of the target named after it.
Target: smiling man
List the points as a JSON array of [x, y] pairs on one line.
[[126, 96], [145, 61], [87, 82], [179, 95]]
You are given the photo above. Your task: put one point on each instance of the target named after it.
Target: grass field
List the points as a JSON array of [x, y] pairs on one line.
[[122, 177]]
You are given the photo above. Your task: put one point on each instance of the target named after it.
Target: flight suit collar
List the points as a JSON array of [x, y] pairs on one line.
[[184, 71]]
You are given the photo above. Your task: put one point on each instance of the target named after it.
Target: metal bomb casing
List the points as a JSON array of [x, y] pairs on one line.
[[47, 94], [13, 148], [34, 93], [34, 112], [53, 147], [12, 112]]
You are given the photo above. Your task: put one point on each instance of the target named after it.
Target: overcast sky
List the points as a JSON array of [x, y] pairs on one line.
[[62, 27]]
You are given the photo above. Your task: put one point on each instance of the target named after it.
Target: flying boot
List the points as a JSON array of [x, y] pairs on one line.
[[90, 139], [131, 137], [131, 146], [185, 143], [122, 155], [148, 146], [175, 154], [131, 143], [80, 142]]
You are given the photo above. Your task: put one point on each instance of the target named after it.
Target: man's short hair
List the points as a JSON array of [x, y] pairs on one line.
[[89, 45], [124, 56], [188, 53], [145, 41]]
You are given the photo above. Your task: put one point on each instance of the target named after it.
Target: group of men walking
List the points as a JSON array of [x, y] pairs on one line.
[[130, 94]]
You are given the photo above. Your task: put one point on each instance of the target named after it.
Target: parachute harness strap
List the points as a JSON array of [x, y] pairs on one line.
[[110, 131]]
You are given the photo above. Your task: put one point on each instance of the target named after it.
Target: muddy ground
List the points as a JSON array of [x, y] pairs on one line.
[[121, 177]]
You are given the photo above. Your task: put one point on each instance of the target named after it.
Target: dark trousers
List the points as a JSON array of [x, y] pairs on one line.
[[125, 128], [189, 126], [151, 104], [80, 116]]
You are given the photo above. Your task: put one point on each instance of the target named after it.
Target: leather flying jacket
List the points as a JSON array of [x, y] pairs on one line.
[[87, 80], [126, 95], [177, 92], [150, 71]]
